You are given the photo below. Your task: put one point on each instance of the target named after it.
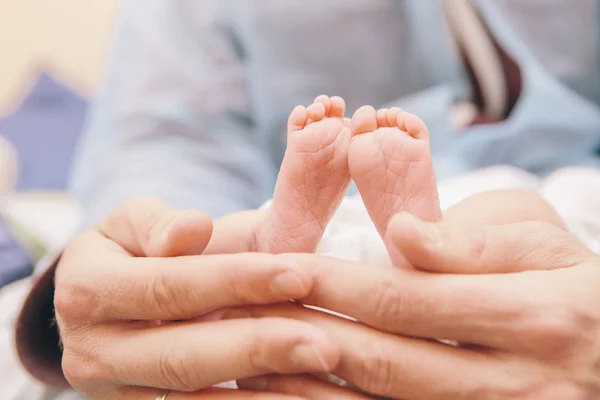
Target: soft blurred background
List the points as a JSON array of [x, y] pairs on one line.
[[51, 61], [53, 54]]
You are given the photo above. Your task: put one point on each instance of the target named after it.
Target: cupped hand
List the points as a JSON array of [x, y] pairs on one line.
[[521, 303], [120, 290]]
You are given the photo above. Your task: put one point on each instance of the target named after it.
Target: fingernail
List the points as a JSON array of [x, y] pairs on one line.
[[260, 383], [310, 356], [291, 284]]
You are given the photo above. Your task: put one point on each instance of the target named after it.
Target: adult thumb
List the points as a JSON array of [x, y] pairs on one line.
[[146, 227], [488, 249]]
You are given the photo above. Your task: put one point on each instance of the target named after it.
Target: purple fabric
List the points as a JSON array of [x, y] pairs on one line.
[[44, 131], [15, 262]]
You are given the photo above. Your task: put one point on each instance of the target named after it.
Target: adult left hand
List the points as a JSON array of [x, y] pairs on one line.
[[523, 300]]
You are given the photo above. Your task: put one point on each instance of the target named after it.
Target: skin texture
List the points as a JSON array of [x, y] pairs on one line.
[[390, 162], [312, 181], [526, 304], [387, 154], [113, 284], [521, 295]]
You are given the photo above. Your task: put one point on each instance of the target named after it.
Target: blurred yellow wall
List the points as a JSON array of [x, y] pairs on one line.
[[69, 37]]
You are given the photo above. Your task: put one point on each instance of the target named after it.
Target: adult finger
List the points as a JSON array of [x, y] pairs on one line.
[[409, 368], [209, 394], [127, 288], [300, 385], [492, 310], [192, 356], [449, 248], [148, 227]]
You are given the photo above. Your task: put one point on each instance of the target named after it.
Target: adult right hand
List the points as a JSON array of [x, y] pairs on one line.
[[140, 266]]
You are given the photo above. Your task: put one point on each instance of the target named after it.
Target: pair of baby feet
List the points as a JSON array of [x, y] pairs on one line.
[[386, 153]]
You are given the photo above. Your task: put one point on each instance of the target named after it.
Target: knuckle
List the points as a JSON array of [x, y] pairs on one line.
[[257, 354], [266, 342], [375, 370], [560, 332], [554, 331], [78, 281], [175, 371], [239, 289], [80, 372], [389, 304], [75, 299], [165, 296]]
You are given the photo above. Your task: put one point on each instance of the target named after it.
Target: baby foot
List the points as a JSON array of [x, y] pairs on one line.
[[390, 162], [312, 181]]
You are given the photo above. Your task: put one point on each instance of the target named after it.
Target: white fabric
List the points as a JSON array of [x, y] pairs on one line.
[[574, 192]]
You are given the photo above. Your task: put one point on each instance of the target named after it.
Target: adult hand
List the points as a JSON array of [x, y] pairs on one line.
[[522, 299], [114, 282], [285, 388]]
